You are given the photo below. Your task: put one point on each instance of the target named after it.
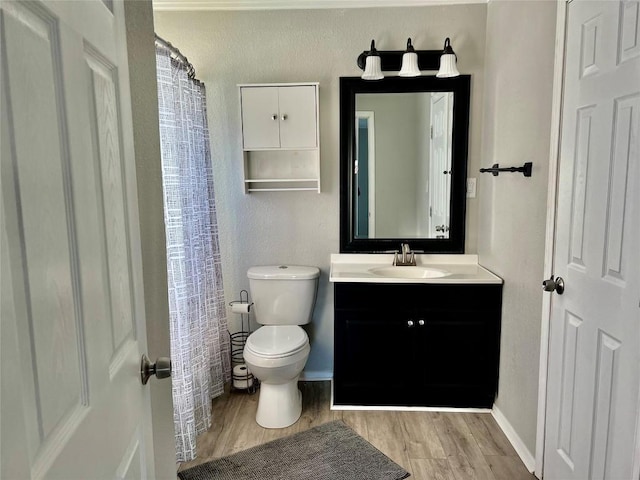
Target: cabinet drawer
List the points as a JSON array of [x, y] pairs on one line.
[[408, 297]]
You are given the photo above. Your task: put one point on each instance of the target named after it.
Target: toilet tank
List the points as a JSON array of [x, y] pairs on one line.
[[283, 294]]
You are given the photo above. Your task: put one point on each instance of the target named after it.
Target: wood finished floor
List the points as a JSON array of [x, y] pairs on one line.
[[430, 445]]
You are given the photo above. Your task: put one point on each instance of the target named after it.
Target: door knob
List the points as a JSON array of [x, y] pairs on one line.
[[410, 323], [161, 369], [552, 285]]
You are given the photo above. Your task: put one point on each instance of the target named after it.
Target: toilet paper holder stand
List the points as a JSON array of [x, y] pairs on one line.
[[241, 378]]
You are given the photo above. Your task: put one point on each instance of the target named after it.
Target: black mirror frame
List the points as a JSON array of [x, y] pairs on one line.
[[461, 88]]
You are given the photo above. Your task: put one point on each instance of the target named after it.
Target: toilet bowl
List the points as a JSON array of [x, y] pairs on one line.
[[276, 353]]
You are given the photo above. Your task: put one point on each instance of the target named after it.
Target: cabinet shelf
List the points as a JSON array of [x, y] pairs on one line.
[[281, 149], [280, 137], [282, 185], [274, 180], [288, 189]]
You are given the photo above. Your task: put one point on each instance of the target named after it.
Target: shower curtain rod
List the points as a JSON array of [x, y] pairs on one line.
[[191, 71]]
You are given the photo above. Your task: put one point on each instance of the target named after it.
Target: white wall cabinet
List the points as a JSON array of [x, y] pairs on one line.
[[280, 137]]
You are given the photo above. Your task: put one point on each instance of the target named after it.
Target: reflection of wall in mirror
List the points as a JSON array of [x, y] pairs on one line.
[[422, 178], [362, 177], [402, 127]]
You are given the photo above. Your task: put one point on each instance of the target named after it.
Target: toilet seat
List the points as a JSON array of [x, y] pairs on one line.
[[277, 341]]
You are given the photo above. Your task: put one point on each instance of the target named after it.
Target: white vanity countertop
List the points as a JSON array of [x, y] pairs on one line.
[[348, 267]]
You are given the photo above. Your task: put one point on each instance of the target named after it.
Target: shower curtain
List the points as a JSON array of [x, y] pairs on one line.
[[198, 324]]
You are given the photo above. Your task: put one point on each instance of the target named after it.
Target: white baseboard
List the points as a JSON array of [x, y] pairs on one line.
[[521, 449], [316, 376]]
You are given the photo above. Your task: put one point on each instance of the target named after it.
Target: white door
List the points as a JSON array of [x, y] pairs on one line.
[[73, 325], [594, 351], [440, 165]]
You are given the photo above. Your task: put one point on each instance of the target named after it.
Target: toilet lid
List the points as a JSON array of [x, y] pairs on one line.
[[283, 272], [276, 341]]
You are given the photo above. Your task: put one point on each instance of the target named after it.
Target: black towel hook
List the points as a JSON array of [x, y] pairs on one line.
[[495, 169]]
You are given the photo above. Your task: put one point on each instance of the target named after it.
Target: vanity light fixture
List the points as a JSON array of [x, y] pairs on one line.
[[448, 61], [372, 69], [409, 62]]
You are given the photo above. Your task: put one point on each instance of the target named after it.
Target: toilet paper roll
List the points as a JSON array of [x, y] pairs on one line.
[[242, 308], [242, 376]]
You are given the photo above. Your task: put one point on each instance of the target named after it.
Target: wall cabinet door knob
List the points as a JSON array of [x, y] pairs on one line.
[[283, 117], [410, 323], [421, 322], [274, 117]]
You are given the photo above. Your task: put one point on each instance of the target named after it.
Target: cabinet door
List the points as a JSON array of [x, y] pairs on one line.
[[456, 360], [298, 117], [260, 119], [374, 359]]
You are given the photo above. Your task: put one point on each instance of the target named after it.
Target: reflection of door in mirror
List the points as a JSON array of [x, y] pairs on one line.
[[440, 165], [365, 173]]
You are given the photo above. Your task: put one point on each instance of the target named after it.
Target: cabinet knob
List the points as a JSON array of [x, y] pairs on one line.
[[409, 323], [421, 322], [274, 117], [283, 117]]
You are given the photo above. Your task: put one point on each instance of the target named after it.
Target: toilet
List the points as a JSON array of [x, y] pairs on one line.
[[276, 353]]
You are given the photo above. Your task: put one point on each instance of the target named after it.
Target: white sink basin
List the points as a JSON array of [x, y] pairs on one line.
[[409, 272]]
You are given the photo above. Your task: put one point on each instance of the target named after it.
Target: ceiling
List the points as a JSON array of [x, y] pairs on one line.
[[295, 4]]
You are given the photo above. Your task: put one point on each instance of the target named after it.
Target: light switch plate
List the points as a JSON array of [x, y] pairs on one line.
[[471, 188]]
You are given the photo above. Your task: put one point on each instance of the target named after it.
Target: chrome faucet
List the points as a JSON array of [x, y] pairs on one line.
[[408, 257]]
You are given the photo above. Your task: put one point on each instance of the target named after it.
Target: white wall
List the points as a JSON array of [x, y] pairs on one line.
[[512, 212], [228, 48]]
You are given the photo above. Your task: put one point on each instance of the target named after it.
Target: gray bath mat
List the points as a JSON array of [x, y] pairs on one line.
[[329, 452]]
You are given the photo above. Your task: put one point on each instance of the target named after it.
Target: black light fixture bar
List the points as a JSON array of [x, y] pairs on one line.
[[391, 60]]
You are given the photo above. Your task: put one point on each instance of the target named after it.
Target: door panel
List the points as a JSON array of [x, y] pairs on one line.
[[74, 307], [53, 320], [594, 351], [112, 199]]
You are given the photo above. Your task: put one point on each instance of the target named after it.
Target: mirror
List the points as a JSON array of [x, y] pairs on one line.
[[403, 163]]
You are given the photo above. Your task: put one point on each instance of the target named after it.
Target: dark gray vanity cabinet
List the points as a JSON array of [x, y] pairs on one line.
[[416, 344]]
